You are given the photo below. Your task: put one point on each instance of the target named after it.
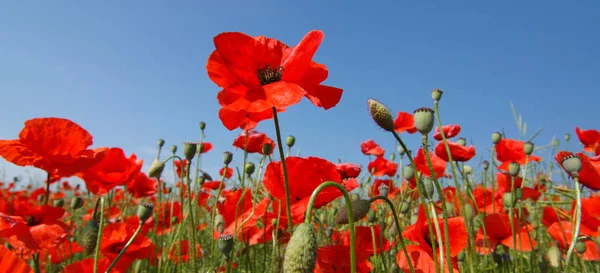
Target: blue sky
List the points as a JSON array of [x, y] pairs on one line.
[[131, 72]]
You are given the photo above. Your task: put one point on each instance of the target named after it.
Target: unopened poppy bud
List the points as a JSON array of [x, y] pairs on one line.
[[553, 255], [371, 216], [401, 150], [427, 184], [156, 168], [424, 120], [227, 158], [518, 193], [567, 137], [174, 149], [572, 164], [486, 165], [90, 237], [219, 223], [508, 200], [202, 125], [381, 115], [580, 247], [267, 148], [468, 169], [496, 137], [436, 94], [360, 208], [301, 251], [225, 244], [328, 232], [161, 143], [405, 207], [528, 147], [189, 150], [514, 168], [290, 141], [461, 141], [409, 172], [249, 168], [59, 203], [144, 211], [76, 203], [383, 190]]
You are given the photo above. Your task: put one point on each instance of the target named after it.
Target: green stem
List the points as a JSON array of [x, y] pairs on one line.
[[285, 174], [308, 216], [101, 228], [212, 215], [191, 212], [135, 234], [577, 223]]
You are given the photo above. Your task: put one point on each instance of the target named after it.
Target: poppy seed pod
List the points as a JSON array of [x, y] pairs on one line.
[[174, 149], [518, 193], [144, 211], [461, 141], [360, 208], [409, 172], [59, 203], [424, 120], [76, 203], [427, 184], [514, 168], [161, 143], [405, 207], [267, 148], [486, 165], [219, 223], [156, 168], [90, 237], [189, 150], [383, 190], [202, 125], [567, 137], [508, 200], [401, 150], [301, 251], [290, 141], [225, 244], [528, 147], [249, 168], [227, 158], [580, 247], [436, 94], [381, 115], [571, 164], [496, 137]]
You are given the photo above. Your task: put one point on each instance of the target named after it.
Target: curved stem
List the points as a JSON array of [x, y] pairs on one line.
[[135, 234], [391, 205], [308, 216], [577, 223], [285, 174], [99, 240]]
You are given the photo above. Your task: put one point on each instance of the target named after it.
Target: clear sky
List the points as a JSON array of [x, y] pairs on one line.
[[131, 72]]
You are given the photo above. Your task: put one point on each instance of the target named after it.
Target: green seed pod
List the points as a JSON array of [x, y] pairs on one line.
[[514, 168], [461, 141], [553, 256], [486, 165], [383, 190], [174, 149], [508, 200], [202, 125], [409, 172], [427, 185], [401, 150], [436, 94], [144, 211], [227, 158], [249, 168], [59, 203], [528, 147], [572, 164], [496, 137], [468, 169], [424, 120], [580, 247], [381, 115], [360, 208], [405, 207], [220, 223], [225, 244], [76, 203], [189, 150], [290, 141], [90, 237], [161, 143], [461, 256], [371, 216], [301, 251], [518, 193], [567, 137], [450, 209], [156, 169], [267, 148]]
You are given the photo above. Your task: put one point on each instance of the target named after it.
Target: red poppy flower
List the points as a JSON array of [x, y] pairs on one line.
[[255, 142], [180, 168], [58, 146], [116, 235], [243, 119], [336, 259], [142, 186], [258, 73], [87, 265], [183, 248], [369, 147], [364, 239], [590, 212], [227, 172], [43, 226], [114, 170], [509, 150], [206, 147], [498, 231], [459, 153], [590, 140], [381, 166], [450, 131], [405, 122], [305, 175], [348, 170], [551, 215], [10, 262], [374, 190], [561, 232], [168, 216], [589, 175], [438, 164]]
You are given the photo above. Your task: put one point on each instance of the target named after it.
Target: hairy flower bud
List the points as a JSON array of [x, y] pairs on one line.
[[267, 148], [428, 189], [381, 115], [156, 169], [76, 203], [90, 237], [409, 172], [301, 251]]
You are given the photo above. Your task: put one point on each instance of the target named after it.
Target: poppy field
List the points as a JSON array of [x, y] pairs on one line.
[[428, 208]]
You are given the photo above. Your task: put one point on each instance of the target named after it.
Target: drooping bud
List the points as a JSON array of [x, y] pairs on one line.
[[227, 158], [381, 115], [59, 203], [360, 208], [202, 125], [267, 148], [301, 251], [189, 150], [436, 94], [528, 147], [424, 120], [461, 141], [518, 193], [90, 237], [383, 190], [225, 244], [249, 168], [514, 168], [496, 137], [156, 168], [486, 165], [76, 203], [174, 149], [219, 223], [290, 141], [427, 184], [161, 143], [144, 211]]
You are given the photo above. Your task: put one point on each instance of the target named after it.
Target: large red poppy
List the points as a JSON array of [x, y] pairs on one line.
[[405, 122], [254, 143], [509, 150], [450, 131], [142, 186], [58, 146], [259, 73], [369, 147], [590, 140], [115, 170], [381, 166], [438, 164], [589, 175], [459, 153], [499, 231], [348, 170]]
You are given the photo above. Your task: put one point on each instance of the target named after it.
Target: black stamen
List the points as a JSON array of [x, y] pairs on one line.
[[268, 74]]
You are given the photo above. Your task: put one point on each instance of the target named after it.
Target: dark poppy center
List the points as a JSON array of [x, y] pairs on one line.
[[428, 240], [268, 74]]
